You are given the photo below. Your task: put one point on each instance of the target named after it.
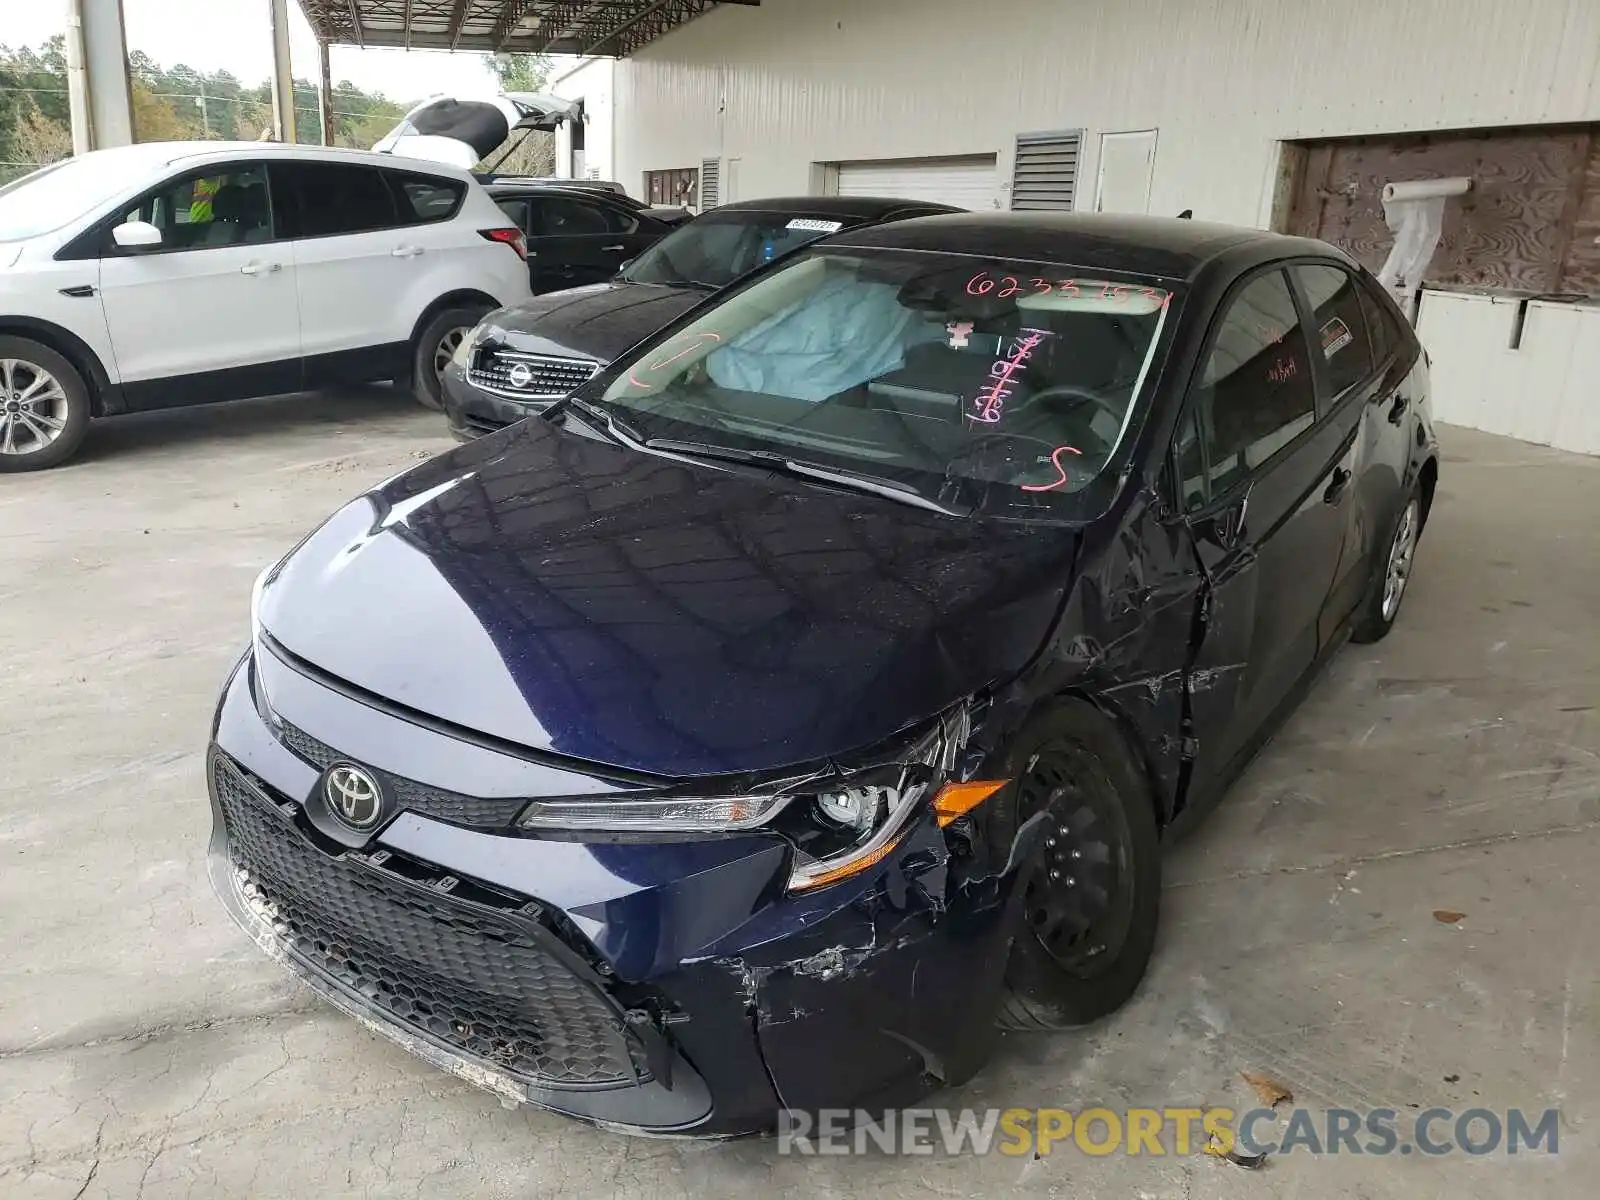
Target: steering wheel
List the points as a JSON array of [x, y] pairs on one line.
[[1104, 403]]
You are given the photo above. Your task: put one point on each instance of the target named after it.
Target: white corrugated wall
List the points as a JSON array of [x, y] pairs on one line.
[[592, 81], [797, 82]]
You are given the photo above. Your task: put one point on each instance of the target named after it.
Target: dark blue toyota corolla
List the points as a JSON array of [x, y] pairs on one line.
[[809, 694]]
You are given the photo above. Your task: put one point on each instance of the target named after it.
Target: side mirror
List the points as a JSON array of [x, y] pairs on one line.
[[1225, 526], [136, 235]]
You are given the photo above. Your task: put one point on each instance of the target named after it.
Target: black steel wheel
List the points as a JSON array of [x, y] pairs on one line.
[[1078, 897], [1085, 919]]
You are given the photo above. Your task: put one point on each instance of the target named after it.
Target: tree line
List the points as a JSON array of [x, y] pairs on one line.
[[181, 104]]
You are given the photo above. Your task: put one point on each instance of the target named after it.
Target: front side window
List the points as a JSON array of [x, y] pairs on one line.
[[716, 249], [515, 210], [223, 207], [1341, 329], [323, 199], [1255, 393], [978, 384]]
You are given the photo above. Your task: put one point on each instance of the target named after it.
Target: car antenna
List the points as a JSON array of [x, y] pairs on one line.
[[1186, 215]]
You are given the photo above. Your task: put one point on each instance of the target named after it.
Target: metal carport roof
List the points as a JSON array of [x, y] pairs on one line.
[[603, 27]]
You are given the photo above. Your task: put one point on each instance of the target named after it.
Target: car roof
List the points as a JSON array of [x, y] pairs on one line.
[[860, 207], [1169, 247], [155, 155]]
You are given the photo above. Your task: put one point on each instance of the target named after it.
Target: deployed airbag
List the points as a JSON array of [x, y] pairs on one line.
[[839, 337]]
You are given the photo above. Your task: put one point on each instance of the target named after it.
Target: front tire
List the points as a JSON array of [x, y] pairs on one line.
[[44, 406], [434, 345], [1086, 920]]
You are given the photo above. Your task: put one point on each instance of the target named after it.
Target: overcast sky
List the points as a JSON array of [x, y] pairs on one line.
[[213, 34]]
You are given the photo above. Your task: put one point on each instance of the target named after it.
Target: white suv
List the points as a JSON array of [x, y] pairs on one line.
[[188, 272]]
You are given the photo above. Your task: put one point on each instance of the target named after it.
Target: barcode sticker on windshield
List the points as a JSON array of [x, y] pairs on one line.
[[815, 225]]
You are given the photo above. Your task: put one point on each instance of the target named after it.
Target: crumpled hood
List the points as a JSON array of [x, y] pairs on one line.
[[573, 596], [599, 321]]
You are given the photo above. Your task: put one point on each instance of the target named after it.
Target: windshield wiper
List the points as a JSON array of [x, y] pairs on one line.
[[793, 466], [619, 431]]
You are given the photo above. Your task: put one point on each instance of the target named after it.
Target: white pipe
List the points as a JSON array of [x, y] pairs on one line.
[[1426, 189]]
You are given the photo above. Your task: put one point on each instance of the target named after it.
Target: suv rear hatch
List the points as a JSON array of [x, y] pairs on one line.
[[463, 132]]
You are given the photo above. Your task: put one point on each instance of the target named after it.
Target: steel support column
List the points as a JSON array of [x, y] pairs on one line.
[[98, 95], [325, 92], [282, 73]]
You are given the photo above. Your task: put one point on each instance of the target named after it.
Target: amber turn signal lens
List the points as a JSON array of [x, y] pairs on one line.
[[957, 799]]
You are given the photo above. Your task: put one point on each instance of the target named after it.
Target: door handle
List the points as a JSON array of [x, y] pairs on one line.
[[1336, 485], [406, 251], [260, 268], [611, 249]]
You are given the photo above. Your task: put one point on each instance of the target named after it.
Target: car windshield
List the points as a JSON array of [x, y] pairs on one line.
[[51, 197], [717, 248], [974, 384]]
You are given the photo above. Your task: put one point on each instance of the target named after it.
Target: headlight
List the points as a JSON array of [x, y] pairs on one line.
[[256, 590], [843, 831], [838, 824]]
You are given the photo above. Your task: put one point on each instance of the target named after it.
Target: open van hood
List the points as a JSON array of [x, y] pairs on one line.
[[461, 132]]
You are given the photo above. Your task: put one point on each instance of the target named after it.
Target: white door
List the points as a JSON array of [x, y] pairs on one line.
[[1127, 162], [354, 262], [964, 182], [218, 295]]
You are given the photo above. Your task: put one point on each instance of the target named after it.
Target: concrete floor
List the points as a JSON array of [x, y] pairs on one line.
[[147, 1049]]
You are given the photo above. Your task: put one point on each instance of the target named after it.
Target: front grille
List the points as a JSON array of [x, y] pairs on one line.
[[475, 980], [529, 376], [473, 811]]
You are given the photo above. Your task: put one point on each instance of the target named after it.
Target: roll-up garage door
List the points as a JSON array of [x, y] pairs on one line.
[[964, 182]]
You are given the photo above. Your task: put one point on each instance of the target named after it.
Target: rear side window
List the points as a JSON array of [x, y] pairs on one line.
[[559, 216], [1256, 393], [424, 198], [319, 199], [1339, 323], [1383, 324]]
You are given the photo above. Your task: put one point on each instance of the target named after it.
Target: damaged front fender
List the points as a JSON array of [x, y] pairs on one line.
[[900, 981]]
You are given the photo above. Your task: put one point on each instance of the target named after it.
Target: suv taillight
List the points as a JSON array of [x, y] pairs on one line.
[[511, 236]]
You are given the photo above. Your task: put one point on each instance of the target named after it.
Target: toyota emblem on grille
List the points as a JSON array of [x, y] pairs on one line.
[[520, 376], [353, 796]]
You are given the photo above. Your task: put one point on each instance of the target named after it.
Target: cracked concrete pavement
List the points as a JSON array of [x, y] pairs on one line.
[[147, 1049]]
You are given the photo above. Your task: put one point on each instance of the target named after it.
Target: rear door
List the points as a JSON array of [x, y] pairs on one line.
[[353, 258], [1350, 387], [212, 313], [1256, 469], [573, 240]]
